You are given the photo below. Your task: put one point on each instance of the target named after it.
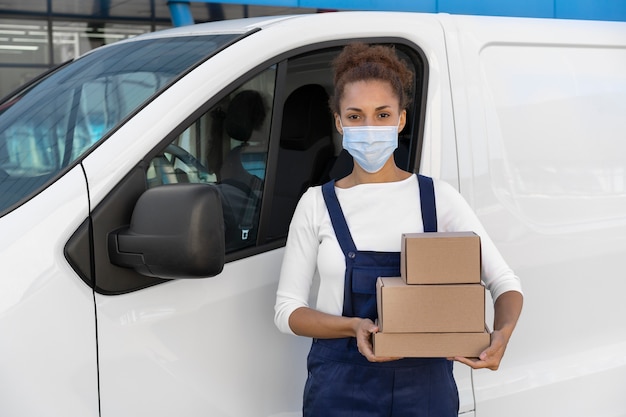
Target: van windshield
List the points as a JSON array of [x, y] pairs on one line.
[[50, 124]]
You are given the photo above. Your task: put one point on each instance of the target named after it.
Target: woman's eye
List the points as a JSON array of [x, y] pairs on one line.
[[383, 115], [353, 117]]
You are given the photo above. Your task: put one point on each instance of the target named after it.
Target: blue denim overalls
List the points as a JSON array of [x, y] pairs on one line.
[[341, 382]]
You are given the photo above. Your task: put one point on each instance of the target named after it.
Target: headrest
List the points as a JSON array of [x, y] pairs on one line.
[[306, 117], [246, 113]]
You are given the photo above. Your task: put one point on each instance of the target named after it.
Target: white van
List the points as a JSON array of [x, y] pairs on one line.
[[146, 190]]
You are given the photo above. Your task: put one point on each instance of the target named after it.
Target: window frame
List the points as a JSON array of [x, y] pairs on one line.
[[417, 120], [130, 188]]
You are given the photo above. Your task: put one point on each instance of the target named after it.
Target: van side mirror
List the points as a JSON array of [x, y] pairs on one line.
[[176, 231]]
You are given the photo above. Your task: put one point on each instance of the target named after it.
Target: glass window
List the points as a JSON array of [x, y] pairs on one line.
[[226, 146], [50, 124], [72, 39], [135, 8], [310, 151], [83, 7], [26, 6], [161, 10], [23, 42], [11, 78], [205, 12], [255, 10], [97, 8]]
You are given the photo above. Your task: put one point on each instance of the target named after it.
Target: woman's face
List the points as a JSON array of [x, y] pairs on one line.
[[369, 103]]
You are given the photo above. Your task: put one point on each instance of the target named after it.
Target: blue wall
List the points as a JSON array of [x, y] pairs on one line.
[[562, 9]]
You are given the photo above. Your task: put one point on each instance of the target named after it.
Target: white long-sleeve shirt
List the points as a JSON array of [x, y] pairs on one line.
[[377, 214]]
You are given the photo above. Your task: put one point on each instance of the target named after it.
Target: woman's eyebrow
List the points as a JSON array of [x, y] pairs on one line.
[[383, 107]]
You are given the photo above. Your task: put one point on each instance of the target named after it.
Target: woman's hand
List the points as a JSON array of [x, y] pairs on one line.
[[490, 358], [364, 332], [308, 322], [507, 310]]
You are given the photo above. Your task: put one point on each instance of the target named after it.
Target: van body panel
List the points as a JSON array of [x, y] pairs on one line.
[[523, 116], [542, 161], [47, 316], [193, 347]]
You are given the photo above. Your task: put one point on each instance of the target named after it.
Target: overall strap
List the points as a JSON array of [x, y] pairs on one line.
[[427, 200], [337, 219]]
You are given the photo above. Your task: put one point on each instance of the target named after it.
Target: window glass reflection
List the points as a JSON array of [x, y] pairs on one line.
[[23, 42], [49, 125], [25, 5], [11, 78], [72, 39], [105, 8]]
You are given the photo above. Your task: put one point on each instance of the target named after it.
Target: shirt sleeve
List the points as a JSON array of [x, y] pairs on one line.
[[455, 214], [299, 261]]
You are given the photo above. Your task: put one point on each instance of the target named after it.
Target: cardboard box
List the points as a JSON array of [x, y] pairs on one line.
[[431, 345], [448, 308], [440, 258]]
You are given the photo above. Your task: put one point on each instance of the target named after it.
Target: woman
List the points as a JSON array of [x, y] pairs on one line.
[[349, 232]]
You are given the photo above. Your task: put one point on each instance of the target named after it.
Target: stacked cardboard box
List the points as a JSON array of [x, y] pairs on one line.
[[437, 307]]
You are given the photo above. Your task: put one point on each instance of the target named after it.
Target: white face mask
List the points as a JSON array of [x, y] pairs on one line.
[[370, 146]]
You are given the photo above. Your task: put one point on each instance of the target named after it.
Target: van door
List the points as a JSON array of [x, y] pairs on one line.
[[48, 348], [209, 346]]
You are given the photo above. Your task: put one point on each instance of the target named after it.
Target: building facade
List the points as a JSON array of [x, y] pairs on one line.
[[36, 35]]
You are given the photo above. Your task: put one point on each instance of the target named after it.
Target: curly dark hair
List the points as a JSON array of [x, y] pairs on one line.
[[362, 62]]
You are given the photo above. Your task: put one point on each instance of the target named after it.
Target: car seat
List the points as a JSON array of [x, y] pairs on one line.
[[305, 152], [239, 189]]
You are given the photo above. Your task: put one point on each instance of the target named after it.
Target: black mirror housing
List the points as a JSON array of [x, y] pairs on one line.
[[176, 231]]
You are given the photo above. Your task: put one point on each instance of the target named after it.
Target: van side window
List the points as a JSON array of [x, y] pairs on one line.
[[226, 146], [310, 151], [305, 153], [262, 143]]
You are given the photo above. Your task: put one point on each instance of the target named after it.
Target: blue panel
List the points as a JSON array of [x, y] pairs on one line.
[[526, 8], [181, 13], [395, 5], [391, 5], [276, 3], [591, 9], [568, 9]]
